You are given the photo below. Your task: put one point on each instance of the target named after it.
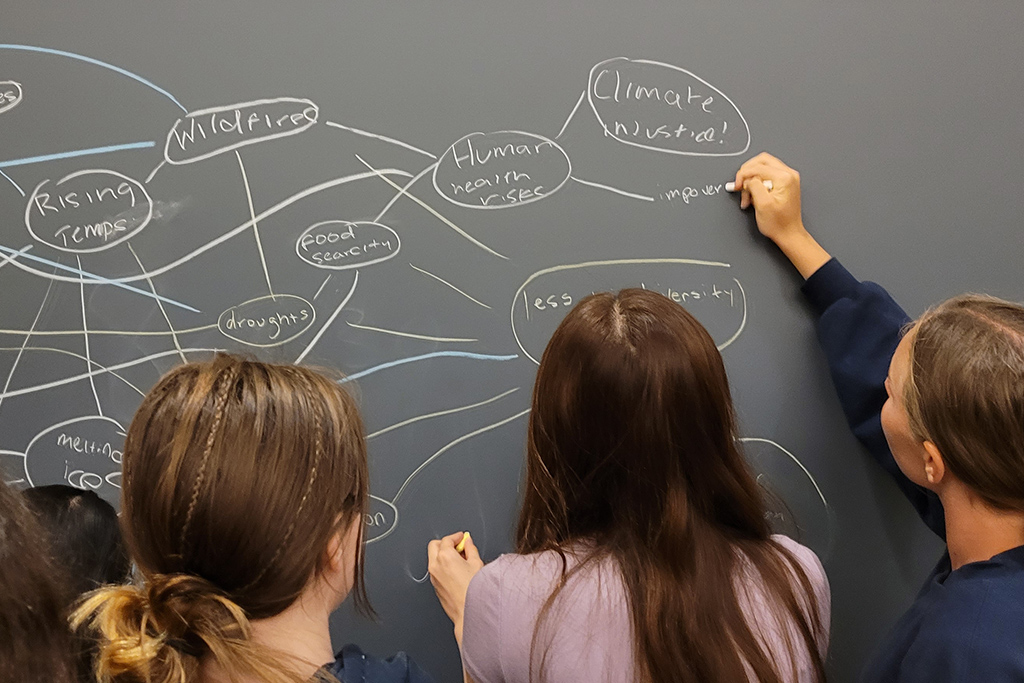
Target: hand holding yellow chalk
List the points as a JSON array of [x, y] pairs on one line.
[[462, 544]]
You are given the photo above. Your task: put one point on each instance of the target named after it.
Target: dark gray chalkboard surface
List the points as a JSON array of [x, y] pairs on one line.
[[415, 192]]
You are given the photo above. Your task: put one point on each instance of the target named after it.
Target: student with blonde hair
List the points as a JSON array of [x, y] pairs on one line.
[[244, 489], [939, 403]]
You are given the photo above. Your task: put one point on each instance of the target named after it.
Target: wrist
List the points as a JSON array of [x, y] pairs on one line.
[[458, 631], [803, 251]]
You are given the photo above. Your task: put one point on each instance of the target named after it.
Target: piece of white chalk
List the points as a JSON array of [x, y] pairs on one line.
[[731, 186]]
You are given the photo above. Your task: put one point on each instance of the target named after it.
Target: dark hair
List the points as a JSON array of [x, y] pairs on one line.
[[84, 536], [965, 393], [237, 475], [632, 456], [35, 643]]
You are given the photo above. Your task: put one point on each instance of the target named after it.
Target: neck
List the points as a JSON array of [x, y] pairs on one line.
[[975, 531], [301, 632]]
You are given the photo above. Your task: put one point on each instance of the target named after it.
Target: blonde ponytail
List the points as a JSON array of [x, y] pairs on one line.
[[158, 632]]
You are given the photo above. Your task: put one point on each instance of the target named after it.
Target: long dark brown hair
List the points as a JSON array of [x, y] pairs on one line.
[[237, 475], [632, 456], [35, 642]]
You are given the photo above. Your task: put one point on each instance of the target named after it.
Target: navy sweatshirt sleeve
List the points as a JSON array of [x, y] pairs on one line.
[[859, 327], [354, 666]]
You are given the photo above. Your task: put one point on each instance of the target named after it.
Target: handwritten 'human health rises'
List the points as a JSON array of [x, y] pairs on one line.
[[664, 108], [208, 132], [500, 170]]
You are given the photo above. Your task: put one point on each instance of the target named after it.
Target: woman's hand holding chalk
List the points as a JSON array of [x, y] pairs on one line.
[[731, 186], [452, 562]]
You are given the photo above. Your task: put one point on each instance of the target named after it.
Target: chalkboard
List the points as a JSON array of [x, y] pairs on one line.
[[415, 193]]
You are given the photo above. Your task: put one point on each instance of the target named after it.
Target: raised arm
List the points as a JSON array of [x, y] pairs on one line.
[[859, 324]]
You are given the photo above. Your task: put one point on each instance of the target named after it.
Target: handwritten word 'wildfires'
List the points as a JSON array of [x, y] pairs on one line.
[[208, 132]]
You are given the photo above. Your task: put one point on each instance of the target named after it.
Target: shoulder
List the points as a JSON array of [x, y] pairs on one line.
[[352, 665], [817, 605], [967, 628], [982, 610], [520, 573], [807, 559]]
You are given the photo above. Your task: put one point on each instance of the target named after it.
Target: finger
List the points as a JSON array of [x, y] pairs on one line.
[[761, 171], [758, 192], [745, 198], [762, 159], [452, 539], [432, 550], [471, 552]]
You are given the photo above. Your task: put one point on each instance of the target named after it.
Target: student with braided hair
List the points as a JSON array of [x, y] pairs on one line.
[[244, 489]]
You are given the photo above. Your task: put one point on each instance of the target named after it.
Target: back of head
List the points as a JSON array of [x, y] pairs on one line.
[[84, 534], [632, 422], [35, 644], [632, 451], [966, 393], [237, 474]]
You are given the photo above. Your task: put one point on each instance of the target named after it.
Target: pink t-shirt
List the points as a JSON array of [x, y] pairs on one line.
[[587, 634]]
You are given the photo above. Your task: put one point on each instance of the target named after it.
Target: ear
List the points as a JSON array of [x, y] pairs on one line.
[[934, 465], [335, 553]]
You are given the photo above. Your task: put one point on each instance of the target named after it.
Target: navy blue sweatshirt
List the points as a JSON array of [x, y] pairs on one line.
[[964, 625], [353, 666]]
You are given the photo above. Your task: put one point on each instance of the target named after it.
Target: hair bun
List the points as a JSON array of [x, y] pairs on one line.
[[157, 631], [192, 614]]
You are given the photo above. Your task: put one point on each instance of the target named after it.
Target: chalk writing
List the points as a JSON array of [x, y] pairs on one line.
[[208, 132], [664, 108], [501, 170], [87, 211], [11, 95], [705, 288], [267, 321], [340, 245]]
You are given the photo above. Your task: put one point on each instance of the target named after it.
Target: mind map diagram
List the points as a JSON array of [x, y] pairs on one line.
[[122, 286]]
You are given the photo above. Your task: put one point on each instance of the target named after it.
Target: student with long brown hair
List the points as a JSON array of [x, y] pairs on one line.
[[244, 489], [85, 542], [642, 550], [35, 643], [939, 403]]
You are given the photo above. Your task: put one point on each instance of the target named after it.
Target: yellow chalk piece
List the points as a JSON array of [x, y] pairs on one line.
[[462, 544]]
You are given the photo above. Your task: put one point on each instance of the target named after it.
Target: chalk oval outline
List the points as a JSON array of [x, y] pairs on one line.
[[65, 423], [593, 108], [243, 143], [86, 171], [352, 223], [394, 525], [830, 513], [624, 262], [273, 297], [568, 161], [21, 96]]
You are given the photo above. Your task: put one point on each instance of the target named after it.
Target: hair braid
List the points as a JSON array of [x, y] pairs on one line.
[[218, 416]]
